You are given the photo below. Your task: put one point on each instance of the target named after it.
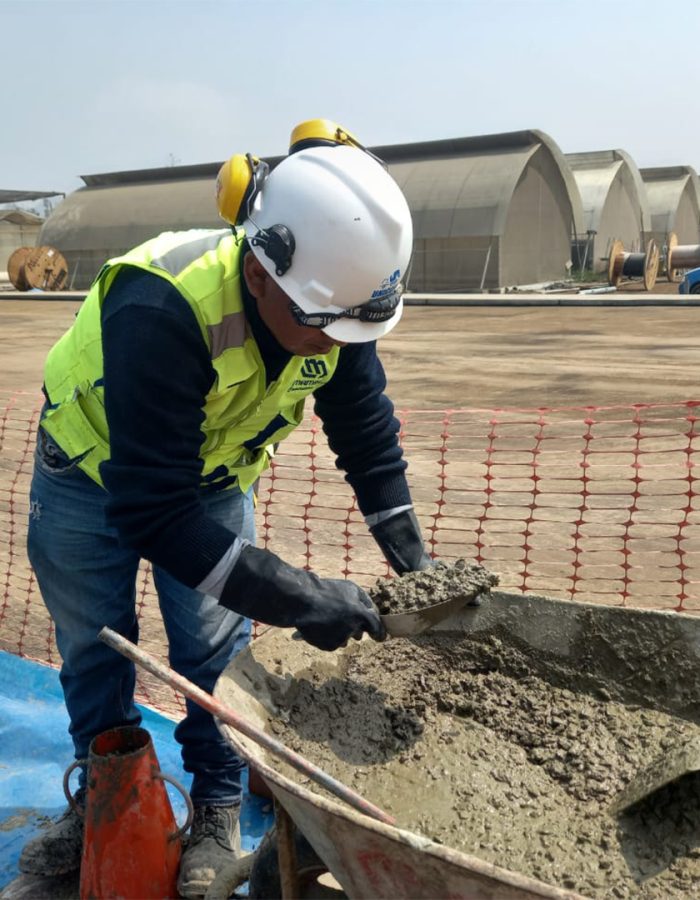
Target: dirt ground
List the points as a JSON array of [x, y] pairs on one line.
[[476, 357], [446, 358]]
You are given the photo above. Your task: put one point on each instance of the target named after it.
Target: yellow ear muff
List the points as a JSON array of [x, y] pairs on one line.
[[239, 180], [320, 133]]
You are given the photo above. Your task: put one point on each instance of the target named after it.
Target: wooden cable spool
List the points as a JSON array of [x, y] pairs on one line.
[[679, 257], [46, 269], [15, 268], [43, 268], [622, 264]]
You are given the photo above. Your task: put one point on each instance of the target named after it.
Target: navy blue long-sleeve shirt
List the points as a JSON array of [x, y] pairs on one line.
[[157, 373]]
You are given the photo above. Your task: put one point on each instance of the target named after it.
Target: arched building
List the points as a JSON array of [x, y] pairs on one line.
[[488, 211], [615, 205], [674, 201], [119, 210]]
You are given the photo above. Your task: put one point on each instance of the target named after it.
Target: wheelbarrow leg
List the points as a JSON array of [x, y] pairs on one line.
[[286, 853]]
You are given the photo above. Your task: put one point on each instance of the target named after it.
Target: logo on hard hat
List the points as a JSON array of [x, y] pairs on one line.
[[388, 286]]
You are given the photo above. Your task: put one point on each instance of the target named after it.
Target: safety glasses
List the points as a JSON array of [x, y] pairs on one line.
[[379, 310]]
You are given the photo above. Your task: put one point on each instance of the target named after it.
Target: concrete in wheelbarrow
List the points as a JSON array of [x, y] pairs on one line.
[[638, 663]]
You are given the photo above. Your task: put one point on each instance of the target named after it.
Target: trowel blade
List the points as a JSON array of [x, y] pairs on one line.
[[417, 621], [674, 764]]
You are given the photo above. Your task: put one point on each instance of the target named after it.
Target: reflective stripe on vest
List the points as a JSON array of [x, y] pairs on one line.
[[244, 418]]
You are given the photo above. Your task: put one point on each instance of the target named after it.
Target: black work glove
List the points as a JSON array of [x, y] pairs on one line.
[[400, 540], [325, 611]]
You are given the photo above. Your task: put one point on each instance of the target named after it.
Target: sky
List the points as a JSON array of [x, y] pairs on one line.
[[113, 85]]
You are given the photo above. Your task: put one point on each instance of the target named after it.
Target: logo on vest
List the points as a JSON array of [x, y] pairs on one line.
[[314, 368], [311, 373]]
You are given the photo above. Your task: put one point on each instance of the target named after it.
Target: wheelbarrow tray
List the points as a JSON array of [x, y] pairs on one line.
[[637, 656]]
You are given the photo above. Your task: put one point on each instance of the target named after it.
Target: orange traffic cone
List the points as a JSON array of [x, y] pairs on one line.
[[132, 845]]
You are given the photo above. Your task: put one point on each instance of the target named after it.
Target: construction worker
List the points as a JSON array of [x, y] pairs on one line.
[[190, 358]]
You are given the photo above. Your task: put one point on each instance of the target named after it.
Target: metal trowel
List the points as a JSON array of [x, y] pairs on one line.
[[462, 583], [408, 624], [674, 764]]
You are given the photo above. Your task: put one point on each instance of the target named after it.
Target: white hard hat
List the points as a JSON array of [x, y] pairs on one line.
[[346, 236]]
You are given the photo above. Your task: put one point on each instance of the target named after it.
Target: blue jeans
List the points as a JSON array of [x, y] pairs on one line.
[[88, 580]]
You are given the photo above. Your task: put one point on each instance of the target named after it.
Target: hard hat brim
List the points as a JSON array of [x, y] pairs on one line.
[[353, 331]]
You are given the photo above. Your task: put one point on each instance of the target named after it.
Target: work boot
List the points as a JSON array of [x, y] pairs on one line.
[[58, 849], [215, 840]]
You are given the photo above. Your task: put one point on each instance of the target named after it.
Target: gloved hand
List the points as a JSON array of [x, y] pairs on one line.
[[326, 611], [400, 540]]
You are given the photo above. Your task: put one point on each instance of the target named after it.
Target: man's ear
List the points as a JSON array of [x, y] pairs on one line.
[[254, 274]]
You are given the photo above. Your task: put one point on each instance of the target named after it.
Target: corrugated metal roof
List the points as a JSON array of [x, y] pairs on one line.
[[465, 194], [139, 176], [471, 195], [667, 173], [7, 196], [463, 146], [674, 200], [455, 186], [675, 177], [596, 171], [389, 153], [461, 192]]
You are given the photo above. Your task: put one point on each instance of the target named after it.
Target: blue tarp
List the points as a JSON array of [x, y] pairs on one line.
[[35, 751]]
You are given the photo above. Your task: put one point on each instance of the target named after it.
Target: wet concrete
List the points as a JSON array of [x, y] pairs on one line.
[[509, 768], [441, 584], [465, 739]]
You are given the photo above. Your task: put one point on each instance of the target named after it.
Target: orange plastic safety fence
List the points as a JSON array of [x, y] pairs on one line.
[[595, 504]]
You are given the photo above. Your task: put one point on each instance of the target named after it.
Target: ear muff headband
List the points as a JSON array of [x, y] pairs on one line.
[[320, 133], [238, 182], [242, 176], [324, 133]]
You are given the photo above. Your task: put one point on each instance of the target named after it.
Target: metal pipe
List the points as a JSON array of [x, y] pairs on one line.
[[590, 237], [486, 266], [231, 717]]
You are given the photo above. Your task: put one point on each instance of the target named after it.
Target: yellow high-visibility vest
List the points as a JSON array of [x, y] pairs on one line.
[[244, 417]]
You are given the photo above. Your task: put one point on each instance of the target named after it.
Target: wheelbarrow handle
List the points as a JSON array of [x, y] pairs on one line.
[[232, 718]]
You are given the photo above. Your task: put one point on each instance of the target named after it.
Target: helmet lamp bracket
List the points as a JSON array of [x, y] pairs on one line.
[[278, 243]]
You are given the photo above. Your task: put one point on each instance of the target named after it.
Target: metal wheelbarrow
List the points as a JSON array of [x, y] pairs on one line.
[[635, 656]]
